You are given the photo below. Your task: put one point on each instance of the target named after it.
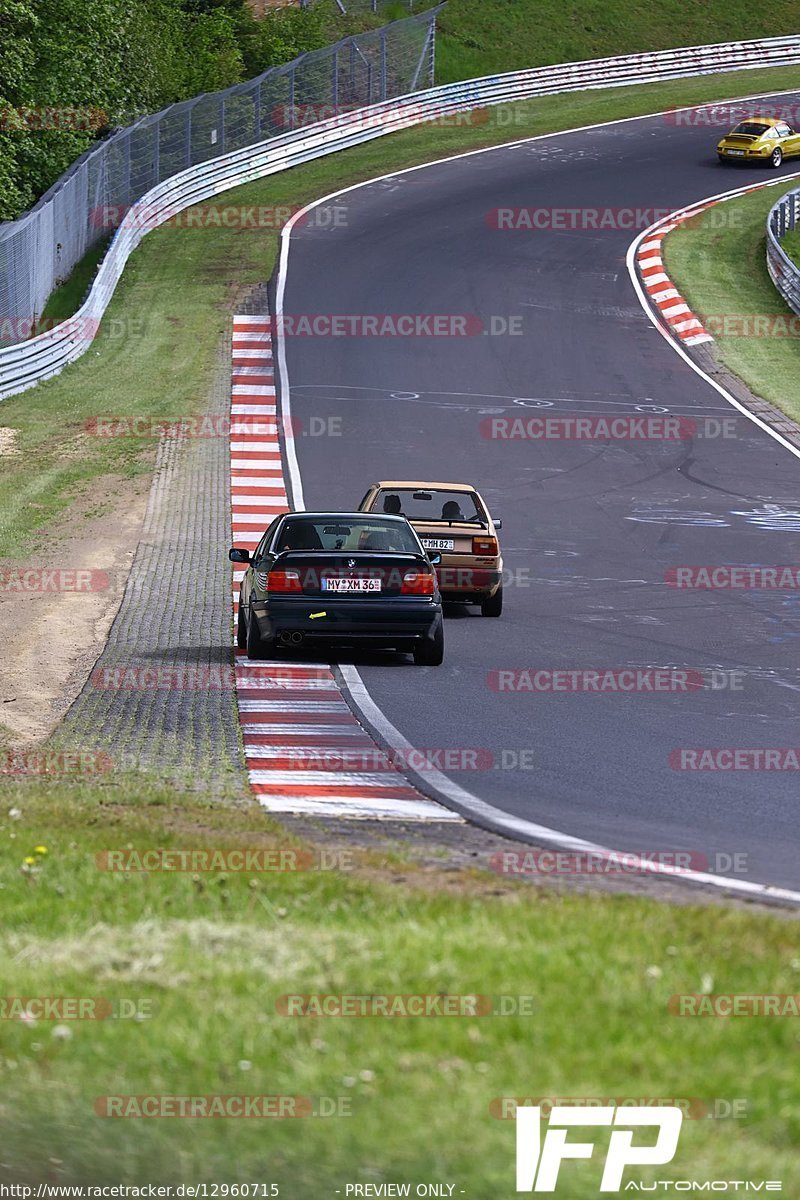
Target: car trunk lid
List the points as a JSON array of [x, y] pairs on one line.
[[360, 575], [447, 538]]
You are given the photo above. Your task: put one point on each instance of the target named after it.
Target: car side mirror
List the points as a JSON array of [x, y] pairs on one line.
[[239, 555], [498, 524], [434, 558]]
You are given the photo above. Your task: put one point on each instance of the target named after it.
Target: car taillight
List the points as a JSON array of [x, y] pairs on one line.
[[284, 581], [417, 583], [485, 545]]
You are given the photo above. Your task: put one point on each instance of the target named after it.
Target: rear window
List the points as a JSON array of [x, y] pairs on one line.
[[754, 128], [431, 504], [350, 533]]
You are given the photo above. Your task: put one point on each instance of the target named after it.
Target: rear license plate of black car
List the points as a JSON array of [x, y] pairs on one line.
[[351, 585]]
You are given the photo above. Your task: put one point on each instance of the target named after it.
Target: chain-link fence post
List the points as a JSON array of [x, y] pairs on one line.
[[257, 111], [384, 80], [157, 152]]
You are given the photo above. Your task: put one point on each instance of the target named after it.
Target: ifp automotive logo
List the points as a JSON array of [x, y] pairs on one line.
[[539, 1160]]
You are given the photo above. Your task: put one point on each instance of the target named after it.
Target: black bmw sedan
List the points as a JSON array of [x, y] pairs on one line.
[[341, 578]]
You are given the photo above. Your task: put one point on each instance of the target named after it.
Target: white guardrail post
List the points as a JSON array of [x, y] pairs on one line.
[[784, 273], [27, 363]]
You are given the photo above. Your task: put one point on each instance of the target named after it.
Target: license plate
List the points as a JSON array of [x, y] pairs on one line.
[[351, 585], [438, 543], [736, 152]]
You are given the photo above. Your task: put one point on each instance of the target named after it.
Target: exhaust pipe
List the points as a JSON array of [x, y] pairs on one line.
[[291, 639]]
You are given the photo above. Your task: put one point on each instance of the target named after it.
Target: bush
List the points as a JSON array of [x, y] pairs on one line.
[[121, 60]]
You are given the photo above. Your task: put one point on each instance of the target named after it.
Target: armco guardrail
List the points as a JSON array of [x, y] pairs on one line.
[[23, 365], [784, 273]]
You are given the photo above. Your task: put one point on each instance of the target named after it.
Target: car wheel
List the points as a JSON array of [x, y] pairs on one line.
[[257, 647], [430, 653], [723, 159], [492, 606], [776, 158], [241, 627]]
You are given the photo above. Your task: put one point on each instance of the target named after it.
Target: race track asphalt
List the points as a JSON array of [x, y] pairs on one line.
[[589, 527]]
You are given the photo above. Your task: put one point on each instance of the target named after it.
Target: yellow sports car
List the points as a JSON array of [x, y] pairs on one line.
[[763, 139], [453, 520]]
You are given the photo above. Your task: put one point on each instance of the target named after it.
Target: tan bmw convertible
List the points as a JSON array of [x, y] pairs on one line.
[[453, 520]]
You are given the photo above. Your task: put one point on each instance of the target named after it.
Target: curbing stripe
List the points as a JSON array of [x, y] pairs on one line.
[[294, 715]]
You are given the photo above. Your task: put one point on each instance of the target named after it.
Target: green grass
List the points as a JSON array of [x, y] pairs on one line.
[[160, 340], [211, 955], [791, 244], [480, 37], [69, 295], [719, 264]]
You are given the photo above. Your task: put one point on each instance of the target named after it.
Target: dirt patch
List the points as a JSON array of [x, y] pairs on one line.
[[8, 443], [56, 610]]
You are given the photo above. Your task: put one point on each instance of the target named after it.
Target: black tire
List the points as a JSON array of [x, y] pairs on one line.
[[430, 653], [776, 158], [723, 161], [257, 647], [492, 606], [241, 627]]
